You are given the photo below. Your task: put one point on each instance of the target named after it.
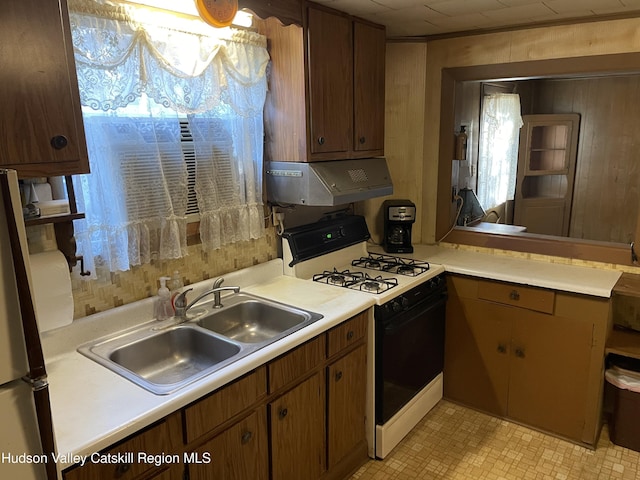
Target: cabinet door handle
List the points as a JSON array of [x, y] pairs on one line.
[[121, 469], [514, 295], [59, 142], [338, 375], [350, 335], [519, 352], [321, 140], [282, 413], [502, 348], [246, 437], [362, 140]]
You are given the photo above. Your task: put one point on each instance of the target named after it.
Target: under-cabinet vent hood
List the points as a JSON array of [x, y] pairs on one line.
[[328, 183]]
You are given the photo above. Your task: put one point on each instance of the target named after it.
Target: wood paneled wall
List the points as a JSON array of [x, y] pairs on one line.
[[405, 124], [607, 182]]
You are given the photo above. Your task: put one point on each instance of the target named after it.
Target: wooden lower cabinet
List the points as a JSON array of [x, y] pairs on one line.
[[477, 343], [549, 375], [346, 405], [113, 463], [297, 421], [300, 416], [289, 368], [173, 473], [210, 412], [238, 453], [540, 369]]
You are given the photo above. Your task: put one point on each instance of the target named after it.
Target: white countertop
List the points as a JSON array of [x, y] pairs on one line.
[[93, 407], [568, 278]]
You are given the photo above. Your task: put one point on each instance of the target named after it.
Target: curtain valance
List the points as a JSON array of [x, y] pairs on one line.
[[180, 63]]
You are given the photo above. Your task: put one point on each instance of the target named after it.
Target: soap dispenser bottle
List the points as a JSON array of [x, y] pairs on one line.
[[162, 306]]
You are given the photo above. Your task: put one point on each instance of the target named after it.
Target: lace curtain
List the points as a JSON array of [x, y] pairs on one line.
[[146, 78], [498, 157]]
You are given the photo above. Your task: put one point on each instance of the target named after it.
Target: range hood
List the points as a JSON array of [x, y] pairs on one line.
[[327, 183]]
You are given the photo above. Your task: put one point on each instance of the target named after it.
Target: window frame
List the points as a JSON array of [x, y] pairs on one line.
[[606, 252]]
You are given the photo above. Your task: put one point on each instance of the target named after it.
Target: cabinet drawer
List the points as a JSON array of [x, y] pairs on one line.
[[212, 411], [154, 440], [296, 363], [346, 334], [532, 298]]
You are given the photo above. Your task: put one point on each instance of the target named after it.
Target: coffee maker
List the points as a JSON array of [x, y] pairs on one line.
[[399, 216]]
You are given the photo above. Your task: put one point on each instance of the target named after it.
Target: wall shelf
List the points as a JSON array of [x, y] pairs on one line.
[[625, 305], [624, 342], [63, 229], [65, 217]]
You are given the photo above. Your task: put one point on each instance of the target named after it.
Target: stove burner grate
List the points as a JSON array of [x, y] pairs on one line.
[[394, 265], [406, 270], [373, 264], [355, 281], [376, 285], [335, 277]]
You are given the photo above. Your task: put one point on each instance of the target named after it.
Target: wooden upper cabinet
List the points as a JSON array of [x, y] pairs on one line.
[[41, 129], [368, 96], [330, 39], [326, 88]]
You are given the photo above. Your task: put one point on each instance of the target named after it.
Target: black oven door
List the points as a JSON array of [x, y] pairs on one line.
[[409, 354]]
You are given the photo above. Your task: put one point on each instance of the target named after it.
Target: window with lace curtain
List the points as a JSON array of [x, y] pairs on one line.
[[500, 124], [173, 117]]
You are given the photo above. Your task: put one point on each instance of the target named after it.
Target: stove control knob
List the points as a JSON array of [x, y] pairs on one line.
[[396, 306]]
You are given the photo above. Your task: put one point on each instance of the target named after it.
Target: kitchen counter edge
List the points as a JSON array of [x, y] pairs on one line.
[[568, 278], [93, 407]]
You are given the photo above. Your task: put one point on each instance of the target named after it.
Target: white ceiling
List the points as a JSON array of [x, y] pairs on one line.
[[434, 17]]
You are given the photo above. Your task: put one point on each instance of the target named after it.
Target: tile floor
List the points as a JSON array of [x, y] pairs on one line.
[[453, 442]]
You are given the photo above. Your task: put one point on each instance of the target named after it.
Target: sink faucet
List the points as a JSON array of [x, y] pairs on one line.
[[180, 302]]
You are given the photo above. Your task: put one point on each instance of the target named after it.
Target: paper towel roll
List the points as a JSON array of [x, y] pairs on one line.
[[51, 289]]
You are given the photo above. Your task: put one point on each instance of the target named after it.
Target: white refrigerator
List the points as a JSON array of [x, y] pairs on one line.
[[21, 443]]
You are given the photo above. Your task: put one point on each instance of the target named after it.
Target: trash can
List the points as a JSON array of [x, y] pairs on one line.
[[622, 402]]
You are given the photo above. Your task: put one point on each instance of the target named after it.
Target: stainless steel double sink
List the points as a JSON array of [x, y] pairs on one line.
[[164, 358]]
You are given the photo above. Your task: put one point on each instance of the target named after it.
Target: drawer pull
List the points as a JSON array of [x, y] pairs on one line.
[[321, 140], [350, 335], [246, 437], [59, 142], [121, 469], [282, 413], [338, 376], [514, 295], [519, 352], [502, 348], [362, 140]]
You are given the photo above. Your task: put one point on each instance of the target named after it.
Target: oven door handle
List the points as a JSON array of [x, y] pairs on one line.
[[391, 326]]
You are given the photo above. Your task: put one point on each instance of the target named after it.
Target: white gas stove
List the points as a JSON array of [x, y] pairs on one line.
[[406, 343], [335, 252]]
